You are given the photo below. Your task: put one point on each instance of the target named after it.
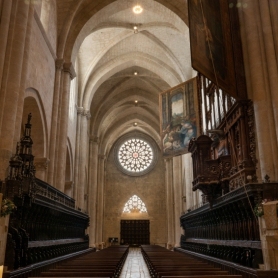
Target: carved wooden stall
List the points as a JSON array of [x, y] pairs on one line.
[[224, 170], [45, 223]]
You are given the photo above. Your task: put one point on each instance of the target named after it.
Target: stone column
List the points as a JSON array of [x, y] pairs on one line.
[[93, 185], [13, 78], [24, 70], [54, 121], [169, 202], [68, 188], [270, 34], [62, 131], [5, 20], [261, 71], [100, 198], [41, 164], [188, 177], [177, 188], [77, 153], [83, 146], [4, 224]]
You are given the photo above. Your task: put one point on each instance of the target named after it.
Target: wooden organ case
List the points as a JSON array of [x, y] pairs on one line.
[[45, 224], [225, 225]]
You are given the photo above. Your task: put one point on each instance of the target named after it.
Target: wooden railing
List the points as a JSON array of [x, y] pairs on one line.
[[36, 268], [232, 268]]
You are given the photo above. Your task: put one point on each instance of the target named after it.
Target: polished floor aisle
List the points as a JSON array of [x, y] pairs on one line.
[[135, 266]]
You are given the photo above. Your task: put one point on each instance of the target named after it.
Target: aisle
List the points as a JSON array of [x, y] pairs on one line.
[[135, 266]]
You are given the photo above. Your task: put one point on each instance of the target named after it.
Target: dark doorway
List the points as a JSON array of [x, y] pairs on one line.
[[135, 232]]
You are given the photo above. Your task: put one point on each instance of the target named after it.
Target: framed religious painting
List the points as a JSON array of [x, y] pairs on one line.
[[215, 41], [179, 118]]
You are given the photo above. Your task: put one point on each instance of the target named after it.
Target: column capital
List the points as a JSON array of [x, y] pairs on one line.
[[167, 159], [59, 63], [41, 163], [86, 113], [68, 67], [79, 110], [94, 138], [102, 156]]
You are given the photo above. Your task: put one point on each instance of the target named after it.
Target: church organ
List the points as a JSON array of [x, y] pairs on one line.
[[45, 223], [224, 170]]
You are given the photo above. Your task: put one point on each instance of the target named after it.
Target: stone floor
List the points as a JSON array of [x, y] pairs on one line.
[[135, 266]]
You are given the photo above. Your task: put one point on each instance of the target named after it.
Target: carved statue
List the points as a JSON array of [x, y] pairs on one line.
[[219, 142]]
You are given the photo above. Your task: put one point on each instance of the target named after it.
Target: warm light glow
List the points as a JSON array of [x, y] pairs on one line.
[[135, 204], [135, 73], [137, 9], [136, 101], [1, 270], [135, 28], [135, 124]]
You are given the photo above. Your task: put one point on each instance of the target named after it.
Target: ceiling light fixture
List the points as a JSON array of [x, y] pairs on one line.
[[135, 124], [135, 73], [136, 101], [137, 9]]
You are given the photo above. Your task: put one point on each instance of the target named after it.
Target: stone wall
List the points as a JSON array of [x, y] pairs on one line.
[[150, 188]]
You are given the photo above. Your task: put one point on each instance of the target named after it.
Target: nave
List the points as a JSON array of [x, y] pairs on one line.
[[144, 262], [135, 266], [91, 78]]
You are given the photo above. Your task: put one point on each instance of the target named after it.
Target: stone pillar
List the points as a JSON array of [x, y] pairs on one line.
[[177, 190], [68, 188], [41, 164], [100, 198], [4, 224], [77, 153], [24, 73], [93, 185], [169, 202], [54, 122], [83, 150], [14, 76], [62, 131], [5, 20], [262, 78], [269, 235], [188, 177], [270, 34]]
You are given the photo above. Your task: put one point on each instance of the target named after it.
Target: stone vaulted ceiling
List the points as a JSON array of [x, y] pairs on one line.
[[107, 52]]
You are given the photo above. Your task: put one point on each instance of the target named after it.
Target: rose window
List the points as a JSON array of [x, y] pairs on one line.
[[135, 155]]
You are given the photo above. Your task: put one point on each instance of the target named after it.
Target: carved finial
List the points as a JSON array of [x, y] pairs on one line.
[[29, 118], [17, 148], [266, 178]]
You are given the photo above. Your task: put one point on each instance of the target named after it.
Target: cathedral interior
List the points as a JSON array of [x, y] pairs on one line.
[[136, 123]]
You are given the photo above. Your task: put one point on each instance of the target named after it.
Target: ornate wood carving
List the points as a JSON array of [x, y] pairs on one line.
[[43, 213]]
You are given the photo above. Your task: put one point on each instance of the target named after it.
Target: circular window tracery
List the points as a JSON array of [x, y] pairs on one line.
[[135, 155]]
